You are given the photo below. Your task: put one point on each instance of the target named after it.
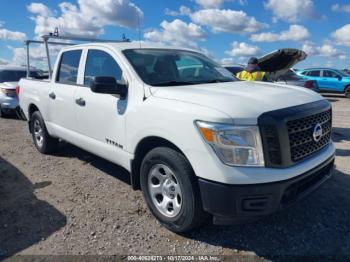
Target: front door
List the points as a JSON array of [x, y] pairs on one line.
[[100, 117], [332, 81]]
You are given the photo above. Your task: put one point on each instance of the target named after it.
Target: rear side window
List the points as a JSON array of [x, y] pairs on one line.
[[68, 68], [99, 63], [314, 73]]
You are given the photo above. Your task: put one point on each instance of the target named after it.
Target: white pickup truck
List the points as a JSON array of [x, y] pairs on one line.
[[196, 141]]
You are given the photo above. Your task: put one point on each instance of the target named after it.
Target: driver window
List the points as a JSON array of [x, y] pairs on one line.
[[327, 73], [99, 63]]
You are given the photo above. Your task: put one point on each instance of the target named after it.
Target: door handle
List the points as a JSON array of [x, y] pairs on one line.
[[52, 95], [80, 101]]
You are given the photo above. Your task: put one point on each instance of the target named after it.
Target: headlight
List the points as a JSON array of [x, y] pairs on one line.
[[234, 145]]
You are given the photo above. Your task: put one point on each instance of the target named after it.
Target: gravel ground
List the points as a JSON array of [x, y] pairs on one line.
[[76, 203]]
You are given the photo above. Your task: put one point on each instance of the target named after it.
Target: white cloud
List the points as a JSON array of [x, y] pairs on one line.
[[243, 49], [183, 10], [226, 20], [6, 34], [40, 9], [176, 32], [291, 10], [342, 35], [88, 18], [210, 3], [325, 50], [341, 8], [37, 55], [226, 61], [294, 33], [4, 61]]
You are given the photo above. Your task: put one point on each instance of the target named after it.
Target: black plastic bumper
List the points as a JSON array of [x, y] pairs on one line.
[[230, 204]]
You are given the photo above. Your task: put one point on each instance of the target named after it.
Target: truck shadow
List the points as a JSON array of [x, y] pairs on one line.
[[118, 172], [341, 134], [319, 225], [24, 219]]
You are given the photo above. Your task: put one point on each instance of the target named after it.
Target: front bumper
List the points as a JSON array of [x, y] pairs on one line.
[[231, 204]]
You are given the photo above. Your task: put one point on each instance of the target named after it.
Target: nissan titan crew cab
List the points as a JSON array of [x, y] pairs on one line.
[[196, 141]]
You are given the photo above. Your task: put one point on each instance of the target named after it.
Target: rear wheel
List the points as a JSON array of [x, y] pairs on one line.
[[347, 91], [170, 190], [2, 114], [41, 138]]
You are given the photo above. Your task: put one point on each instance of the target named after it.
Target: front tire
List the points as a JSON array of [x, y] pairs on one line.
[[170, 189], [41, 138], [347, 92]]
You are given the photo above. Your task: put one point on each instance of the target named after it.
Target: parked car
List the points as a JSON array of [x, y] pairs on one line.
[[277, 66], [328, 79], [198, 144], [234, 69], [292, 78], [347, 71], [9, 77]]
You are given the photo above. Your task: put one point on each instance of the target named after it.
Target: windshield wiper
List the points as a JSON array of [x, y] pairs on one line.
[[173, 83], [217, 81]]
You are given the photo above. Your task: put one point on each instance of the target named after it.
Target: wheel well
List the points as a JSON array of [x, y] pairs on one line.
[[143, 147], [32, 108]]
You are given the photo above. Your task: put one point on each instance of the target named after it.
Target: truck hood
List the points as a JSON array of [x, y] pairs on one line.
[[244, 102], [278, 62], [8, 85]]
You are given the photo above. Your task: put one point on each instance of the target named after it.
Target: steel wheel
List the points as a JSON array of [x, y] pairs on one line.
[[165, 190], [38, 133]]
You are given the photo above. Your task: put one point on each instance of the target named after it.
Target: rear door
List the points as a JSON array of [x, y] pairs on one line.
[[61, 96], [316, 76], [332, 81]]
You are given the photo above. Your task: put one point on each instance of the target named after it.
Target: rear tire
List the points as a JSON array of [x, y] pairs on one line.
[[2, 114], [347, 91], [41, 138], [170, 189]]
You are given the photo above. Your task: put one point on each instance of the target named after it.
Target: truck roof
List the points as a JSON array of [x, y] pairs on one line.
[[129, 45]]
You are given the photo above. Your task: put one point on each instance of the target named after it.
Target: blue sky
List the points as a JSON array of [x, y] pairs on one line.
[[229, 31]]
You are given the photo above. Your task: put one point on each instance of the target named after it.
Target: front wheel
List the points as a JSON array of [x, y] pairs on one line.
[[347, 91], [42, 139], [170, 190]]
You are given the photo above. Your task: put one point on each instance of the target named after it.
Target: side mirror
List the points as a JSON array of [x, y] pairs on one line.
[[339, 78], [108, 85]]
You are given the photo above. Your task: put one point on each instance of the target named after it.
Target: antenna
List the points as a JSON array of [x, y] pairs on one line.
[[139, 28]]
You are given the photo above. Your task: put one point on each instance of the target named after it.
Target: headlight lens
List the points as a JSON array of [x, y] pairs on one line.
[[234, 145]]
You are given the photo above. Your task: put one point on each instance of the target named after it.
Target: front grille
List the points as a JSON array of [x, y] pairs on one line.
[[288, 134], [300, 131]]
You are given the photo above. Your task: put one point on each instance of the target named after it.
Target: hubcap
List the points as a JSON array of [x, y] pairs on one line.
[[38, 133], [165, 190]]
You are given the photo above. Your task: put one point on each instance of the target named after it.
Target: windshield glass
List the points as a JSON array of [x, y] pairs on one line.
[[342, 73], [162, 67], [11, 75], [291, 75], [16, 75]]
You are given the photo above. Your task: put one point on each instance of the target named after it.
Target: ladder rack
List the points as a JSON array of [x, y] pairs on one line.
[[55, 36]]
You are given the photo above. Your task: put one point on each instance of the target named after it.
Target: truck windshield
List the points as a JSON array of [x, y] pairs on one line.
[[11, 75], [166, 67]]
